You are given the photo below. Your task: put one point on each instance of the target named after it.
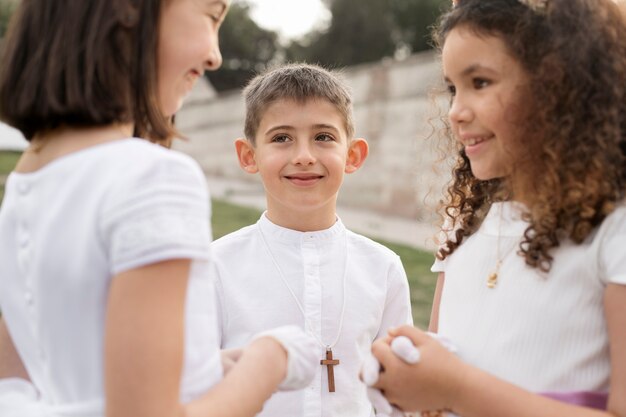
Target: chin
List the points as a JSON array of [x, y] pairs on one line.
[[171, 107], [485, 175]]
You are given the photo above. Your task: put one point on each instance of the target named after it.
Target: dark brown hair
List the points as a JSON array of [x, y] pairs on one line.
[[83, 63], [574, 55], [300, 82]]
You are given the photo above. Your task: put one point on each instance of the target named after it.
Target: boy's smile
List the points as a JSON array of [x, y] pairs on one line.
[[302, 152]]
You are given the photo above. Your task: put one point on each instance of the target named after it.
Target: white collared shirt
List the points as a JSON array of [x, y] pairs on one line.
[[253, 298]]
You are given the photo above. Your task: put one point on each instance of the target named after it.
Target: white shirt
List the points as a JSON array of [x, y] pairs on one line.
[[543, 332], [66, 230], [254, 298]]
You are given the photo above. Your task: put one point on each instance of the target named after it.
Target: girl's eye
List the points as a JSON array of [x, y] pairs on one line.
[[324, 137], [480, 83], [451, 90], [280, 139]]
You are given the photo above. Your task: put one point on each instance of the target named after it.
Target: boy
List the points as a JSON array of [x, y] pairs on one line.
[[298, 264]]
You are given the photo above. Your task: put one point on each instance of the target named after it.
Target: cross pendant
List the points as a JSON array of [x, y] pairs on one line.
[[330, 363]]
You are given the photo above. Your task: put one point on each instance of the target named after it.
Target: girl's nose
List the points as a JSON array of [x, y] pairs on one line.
[[214, 59], [459, 112]]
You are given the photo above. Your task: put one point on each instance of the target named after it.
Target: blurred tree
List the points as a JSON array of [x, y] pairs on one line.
[[414, 20], [359, 31], [246, 49], [365, 31]]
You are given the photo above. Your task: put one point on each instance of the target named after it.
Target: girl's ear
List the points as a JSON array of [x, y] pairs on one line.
[[357, 153], [245, 155]]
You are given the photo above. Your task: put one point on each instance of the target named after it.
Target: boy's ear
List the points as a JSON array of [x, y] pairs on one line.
[[245, 155], [357, 153]]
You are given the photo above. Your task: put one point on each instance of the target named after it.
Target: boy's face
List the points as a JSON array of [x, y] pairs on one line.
[[302, 153]]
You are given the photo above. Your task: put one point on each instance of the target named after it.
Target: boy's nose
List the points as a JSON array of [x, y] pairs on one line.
[[303, 155]]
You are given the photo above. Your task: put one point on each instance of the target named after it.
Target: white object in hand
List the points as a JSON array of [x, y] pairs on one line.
[[302, 355], [405, 350]]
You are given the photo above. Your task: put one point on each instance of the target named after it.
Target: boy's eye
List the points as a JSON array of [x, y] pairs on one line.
[[324, 137], [280, 139], [451, 90], [480, 83]]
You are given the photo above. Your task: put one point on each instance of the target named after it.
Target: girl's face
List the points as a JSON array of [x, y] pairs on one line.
[[188, 45], [486, 84]]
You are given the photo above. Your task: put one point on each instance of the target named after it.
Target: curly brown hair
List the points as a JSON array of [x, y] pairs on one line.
[[574, 55]]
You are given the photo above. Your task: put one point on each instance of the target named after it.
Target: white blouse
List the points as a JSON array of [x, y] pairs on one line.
[[65, 231], [543, 332], [253, 298]]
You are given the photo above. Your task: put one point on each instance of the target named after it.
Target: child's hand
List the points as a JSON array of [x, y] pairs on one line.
[[429, 384], [230, 358], [401, 346], [302, 355]]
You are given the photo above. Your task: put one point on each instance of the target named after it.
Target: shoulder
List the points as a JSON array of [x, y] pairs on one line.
[[141, 176], [611, 233], [139, 155], [235, 241], [371, 248]]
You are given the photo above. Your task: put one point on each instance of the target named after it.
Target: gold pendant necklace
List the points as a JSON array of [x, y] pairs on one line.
[[492, 279]]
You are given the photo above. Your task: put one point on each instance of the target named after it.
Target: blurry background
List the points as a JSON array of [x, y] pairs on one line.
[[383, 50]]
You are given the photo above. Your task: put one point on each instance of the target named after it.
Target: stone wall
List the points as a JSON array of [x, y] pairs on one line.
[[393, 111]]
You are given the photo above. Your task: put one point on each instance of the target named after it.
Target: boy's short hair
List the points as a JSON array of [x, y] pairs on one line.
[[299, 82], [83, 64]]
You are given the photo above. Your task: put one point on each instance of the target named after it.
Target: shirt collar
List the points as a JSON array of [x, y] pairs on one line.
[[275, 232]]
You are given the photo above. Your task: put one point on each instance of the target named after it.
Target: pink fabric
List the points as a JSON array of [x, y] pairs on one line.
[[590, 399]]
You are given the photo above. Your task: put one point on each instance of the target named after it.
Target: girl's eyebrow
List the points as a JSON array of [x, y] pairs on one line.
[[220, 3], [473, 69]]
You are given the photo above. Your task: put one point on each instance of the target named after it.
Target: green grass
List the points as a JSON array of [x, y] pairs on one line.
[[7, 162], [229, 217]]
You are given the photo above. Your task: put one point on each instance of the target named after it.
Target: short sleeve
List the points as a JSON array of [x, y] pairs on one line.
[[398, 301], [159, 211], [612, 248], [438, 266]]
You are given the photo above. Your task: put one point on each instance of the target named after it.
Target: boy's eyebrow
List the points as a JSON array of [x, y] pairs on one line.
[[316, 126], [325, 126], [281, 127]]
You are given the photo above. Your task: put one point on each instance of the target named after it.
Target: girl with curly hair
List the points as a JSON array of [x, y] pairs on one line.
[[532, 272]]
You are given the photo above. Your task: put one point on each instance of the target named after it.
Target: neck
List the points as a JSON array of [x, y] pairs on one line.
[[523, 191], [309, 221]]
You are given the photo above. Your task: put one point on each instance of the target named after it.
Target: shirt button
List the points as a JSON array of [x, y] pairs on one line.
[[23, 188], [24, 240], [28, 296]]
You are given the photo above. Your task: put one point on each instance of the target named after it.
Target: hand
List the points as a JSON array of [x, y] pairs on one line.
[[302, 355], [405, 350], [430, 384], [230, 358]]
